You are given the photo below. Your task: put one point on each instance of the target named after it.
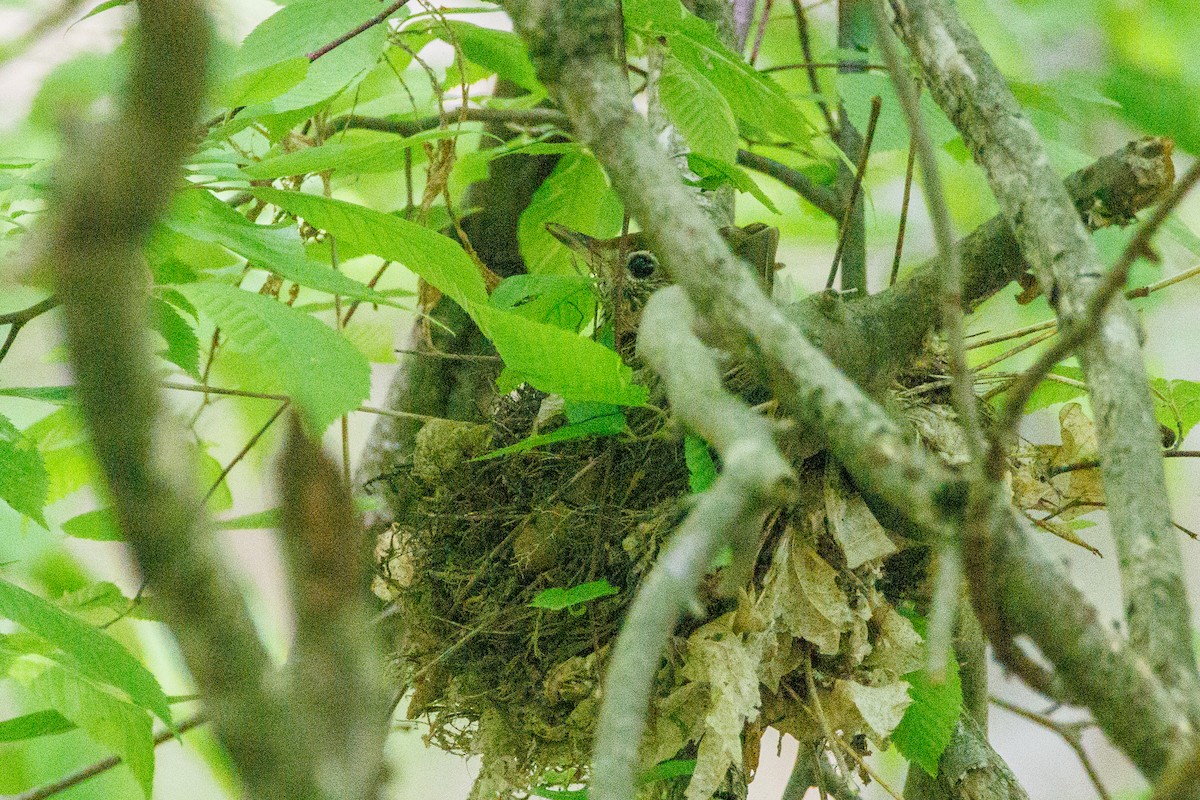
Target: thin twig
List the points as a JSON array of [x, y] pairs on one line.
[[762, 30], [1093, 463], [19, 319], [1088, 324], [908, 176], [345, 37], [245, 450], [815, 65], [104, 765], [826, 728], [1007, 354], [809, 65], [863, 155], [1070, 732], [1014, 334], [528, 117], [448, 356], [823, 197]]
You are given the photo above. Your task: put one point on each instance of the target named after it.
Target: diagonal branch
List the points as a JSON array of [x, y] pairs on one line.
[[970, 89], [754, 479], [110, 193], [571, 45]]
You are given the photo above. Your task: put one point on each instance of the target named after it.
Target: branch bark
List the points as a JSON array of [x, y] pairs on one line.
[[110, 193], [571, 45], [969, 88]]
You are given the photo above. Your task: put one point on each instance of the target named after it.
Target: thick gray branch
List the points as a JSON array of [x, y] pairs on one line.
[[754, 479], [966, 84], [110, 193]]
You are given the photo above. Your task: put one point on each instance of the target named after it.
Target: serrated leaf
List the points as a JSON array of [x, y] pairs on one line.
[[60, 395], [299, 29], [755, 98], [35, 725], [699, 111], [344, 158], [558, 598], [701, 469], [183, 348], [608, 424], [714, 173], [24, 481], [323, 373], [201, 216], [502, 52], [436, 258], [576, 195], [94, 653], [553, 360], [558, 361], [1177, 405], [565, 301], [928, 723], [123, 728]]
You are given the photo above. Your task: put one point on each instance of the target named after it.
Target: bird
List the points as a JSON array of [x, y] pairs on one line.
[[627, 272]]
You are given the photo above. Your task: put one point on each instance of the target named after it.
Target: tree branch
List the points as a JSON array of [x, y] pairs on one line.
[[754, 479], [110, 194], [570, 44], [969, 88], [371, 23]]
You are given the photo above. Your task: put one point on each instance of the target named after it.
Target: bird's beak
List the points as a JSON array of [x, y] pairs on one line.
[[579, 242]]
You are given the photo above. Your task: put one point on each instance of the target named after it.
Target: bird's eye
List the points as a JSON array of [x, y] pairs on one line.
[[641, 265]]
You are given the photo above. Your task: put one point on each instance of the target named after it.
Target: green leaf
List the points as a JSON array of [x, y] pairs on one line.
[[436, 258], [344, 157], [32, 726], [201, 216], [105, 6], [94, 653], [61, 395], [24, 481], [608, 424], [713, 173], [553, 360], [502, 52], [929, 721], [254, 521], [701, 469], [123, 728], [299, 29], [558, 361], [558, 598], [260, 85], [565, 301], [183, 348], [576, 195], [699, 111], [754, 98], [1177, 404], [1049, 393], [99, 525], [1158, 103], [323, 373]]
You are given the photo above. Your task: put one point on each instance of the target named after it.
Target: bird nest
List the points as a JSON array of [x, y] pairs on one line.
[[817, 645]]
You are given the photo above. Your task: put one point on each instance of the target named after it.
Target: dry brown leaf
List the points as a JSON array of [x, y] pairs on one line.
[[855, 528]]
